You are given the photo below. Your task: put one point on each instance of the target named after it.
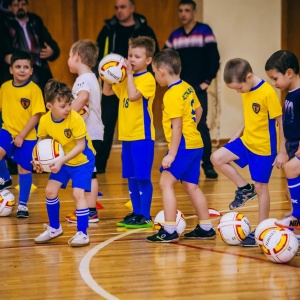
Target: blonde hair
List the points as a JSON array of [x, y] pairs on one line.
[[87, 50], [145, 42]]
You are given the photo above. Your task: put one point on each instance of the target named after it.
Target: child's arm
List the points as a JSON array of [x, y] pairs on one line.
[[80, 146], [133, 93], [199, 112], [281, 157], [237, 134], [175, 141], [81, 100], [19, 139], [107, 89]]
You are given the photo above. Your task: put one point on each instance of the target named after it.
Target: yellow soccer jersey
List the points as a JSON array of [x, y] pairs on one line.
[[18, 105], [261, 107], [136, 118], [66, 132], [181, 101]]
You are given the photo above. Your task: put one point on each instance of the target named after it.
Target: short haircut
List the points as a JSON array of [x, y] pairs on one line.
[[57, 90], [9, 2], [145, 42], [168, 59], [20, 55], [236, 69], [188, 2], [87, 50], [281, 61]]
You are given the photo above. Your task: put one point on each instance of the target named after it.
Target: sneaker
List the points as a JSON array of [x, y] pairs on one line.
[[79, 240], [48, 235], [249, 241], [140, 222], [5, 184], [288, 222], [211, 173], [22, 211], [199, 233], [242, 196], [72, 218], [164, 237], [129, 218]]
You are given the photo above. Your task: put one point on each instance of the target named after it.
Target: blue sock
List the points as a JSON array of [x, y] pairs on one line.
[[294, 187], [146, 191], [82, 219], [53, 206], [134, 194], [25, 181], [4, 173]]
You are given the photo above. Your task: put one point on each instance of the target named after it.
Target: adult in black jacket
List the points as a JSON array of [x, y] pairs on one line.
[[113, 38], [25, 31]]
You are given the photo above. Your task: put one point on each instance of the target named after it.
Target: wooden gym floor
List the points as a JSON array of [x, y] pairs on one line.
[[120, 264]]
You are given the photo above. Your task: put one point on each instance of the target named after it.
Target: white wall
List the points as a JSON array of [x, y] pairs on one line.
[[246, 29]]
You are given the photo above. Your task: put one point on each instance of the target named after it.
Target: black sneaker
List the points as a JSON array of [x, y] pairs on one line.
[[5, 184], [249, 241], [129, 218], [139, 222], [199, 233], [242, 196], [164, 237], [22, 211], [210, 173]]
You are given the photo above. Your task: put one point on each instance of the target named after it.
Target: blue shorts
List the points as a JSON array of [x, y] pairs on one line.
[[81, 176], [137, 159], [260, 166], [20, 155], [186, 166]]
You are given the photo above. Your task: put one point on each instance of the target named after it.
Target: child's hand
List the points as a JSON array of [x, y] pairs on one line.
[[37, 168], [18, 141], [167, 161], [56, 166], [128, 66], [280, 160]]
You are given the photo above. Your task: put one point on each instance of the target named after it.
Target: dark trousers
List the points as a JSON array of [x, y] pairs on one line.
[[109, 106], [204, 130]]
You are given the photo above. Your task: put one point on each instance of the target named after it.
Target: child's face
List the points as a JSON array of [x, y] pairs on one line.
[[72, 62], [159, 76], [240, 87], [59, 109], [21, 71], [138, 59], [279, 80]]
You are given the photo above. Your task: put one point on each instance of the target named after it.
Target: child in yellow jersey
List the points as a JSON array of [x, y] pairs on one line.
[[22, 104], [181, 114], [136, 131], [256, 143], [66, 126]]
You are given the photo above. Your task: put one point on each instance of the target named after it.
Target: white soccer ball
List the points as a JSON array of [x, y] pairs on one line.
[[159, 221], [7, 203], [112, 69], [280, 245], [262, 229], [46, 152], [233, 228]]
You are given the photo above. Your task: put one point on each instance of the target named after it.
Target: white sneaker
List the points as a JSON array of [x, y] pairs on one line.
[[288, 222], [79, 240], [49, 234]]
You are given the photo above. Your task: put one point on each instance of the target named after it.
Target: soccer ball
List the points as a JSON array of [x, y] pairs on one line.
[[7, 203], [180, 221], [233, 228], [111, 68], [45, 153], [262, 229], [85, 111], [280, 245]]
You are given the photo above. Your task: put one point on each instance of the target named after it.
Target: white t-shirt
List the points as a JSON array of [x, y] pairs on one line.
[[88, 82]]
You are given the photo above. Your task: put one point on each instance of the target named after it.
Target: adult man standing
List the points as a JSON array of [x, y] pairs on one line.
[[25, 31], [197, 48], [113, 38]]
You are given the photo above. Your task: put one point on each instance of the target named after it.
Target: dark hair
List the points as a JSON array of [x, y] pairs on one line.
[[20, 55], [9, 2], [169, 59], [87, 50], [188, 2], [56, 90], [281, 61], [143, 42], [236, 69]]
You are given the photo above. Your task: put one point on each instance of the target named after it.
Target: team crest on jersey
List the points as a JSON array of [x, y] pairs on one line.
[[256, 107], [25, 103], [68, 133]]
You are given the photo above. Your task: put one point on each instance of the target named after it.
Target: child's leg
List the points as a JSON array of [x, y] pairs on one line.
[[82, 211], [5, 179], [92, 196], [134, 193], [263, 200], [4, 173], [146, 192], [25, 181]]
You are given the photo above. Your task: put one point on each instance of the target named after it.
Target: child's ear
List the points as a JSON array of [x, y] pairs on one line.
[[289, 72], [48, 106], [249, 76], [148, 60]]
